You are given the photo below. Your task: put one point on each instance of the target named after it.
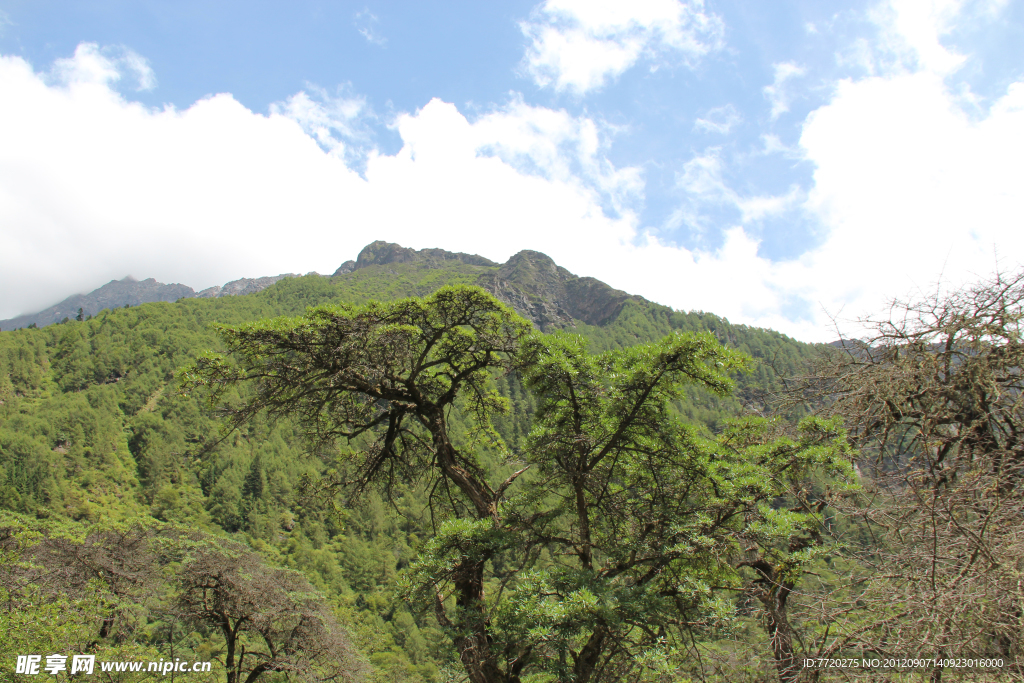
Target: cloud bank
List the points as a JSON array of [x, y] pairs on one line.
[[93, 186]]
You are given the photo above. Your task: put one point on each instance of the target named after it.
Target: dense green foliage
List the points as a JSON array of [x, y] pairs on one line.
[[93, 429]]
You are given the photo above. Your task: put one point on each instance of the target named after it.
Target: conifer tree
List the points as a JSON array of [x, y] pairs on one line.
[[638, 514]]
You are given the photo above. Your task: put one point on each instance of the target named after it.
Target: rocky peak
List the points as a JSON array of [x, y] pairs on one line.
[[245, 285], [535, 273], [381, 253], [530, 282], [551, 296]]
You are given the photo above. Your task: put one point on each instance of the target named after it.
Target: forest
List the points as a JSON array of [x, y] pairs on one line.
[[390, 475]]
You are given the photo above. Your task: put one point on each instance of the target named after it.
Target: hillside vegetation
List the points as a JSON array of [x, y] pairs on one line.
[[94, 432]]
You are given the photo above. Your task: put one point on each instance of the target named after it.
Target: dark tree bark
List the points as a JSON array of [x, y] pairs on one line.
[[773, 593]]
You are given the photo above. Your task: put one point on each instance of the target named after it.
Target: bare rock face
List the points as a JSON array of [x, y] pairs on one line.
[[549, 295], [250, 285], [381, 253], [594, 302], [530, 282], [345, 268], [245, 285]]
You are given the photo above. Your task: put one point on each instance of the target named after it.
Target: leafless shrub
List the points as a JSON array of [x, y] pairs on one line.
[[934, 401], [271, 619]]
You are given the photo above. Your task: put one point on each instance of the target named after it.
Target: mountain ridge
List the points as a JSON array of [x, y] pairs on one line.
[[131, 292], [530, 282], [114, 294]]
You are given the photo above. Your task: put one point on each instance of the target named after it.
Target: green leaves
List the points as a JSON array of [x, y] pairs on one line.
[[639, 514], [458, 543], [628, 522], [384, 371]]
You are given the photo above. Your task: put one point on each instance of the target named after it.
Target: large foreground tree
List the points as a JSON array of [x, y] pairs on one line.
[[645, 521], [596, 553], [390, 375]]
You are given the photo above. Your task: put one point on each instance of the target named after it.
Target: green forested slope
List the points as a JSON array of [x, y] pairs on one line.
[[92, 428]]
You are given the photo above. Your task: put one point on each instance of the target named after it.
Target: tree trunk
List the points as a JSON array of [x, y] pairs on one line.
[[773, 596], [229, 642], [782, 639], [588, 657], [470, 628]]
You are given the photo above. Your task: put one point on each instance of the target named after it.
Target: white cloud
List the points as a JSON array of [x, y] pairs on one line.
[[913, 35], [337, 123], [93, 186], [759, 207], [719, 120], [579, 45], [907, 188], [914, 29], [909, 185], [773, 144], [561, 147], [703, 183], [92, 65], [777, 93], [366, 22]]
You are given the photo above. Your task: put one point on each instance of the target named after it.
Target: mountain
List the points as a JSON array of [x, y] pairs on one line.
[[530, 282], [381, 253], [132, 292], [551, 296], [114, 294], [90, 416]]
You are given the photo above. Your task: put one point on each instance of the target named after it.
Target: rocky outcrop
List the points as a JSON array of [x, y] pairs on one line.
[[246, 285], [551, 296], [381, 253], [594, 302], [345, 268], [114, 294]]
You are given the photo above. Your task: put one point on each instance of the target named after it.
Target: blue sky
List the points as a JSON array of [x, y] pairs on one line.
[[782, 164]]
